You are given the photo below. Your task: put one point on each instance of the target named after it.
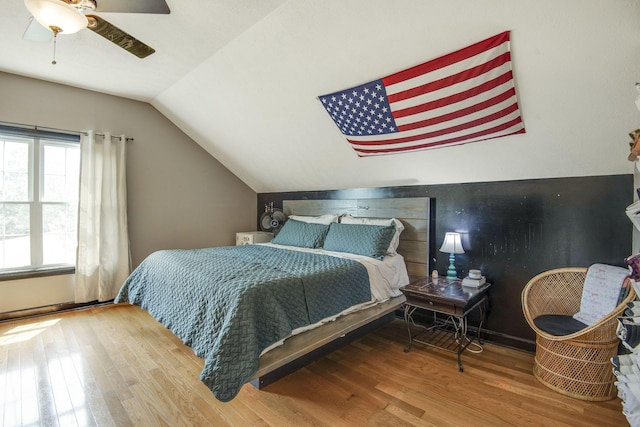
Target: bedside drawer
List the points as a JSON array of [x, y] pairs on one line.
[[428, 304]]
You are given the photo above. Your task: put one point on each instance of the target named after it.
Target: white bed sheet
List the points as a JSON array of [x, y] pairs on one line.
[[386, 277]]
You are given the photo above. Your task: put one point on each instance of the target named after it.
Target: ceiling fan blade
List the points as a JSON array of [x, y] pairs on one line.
[[36, 32], [119, 37], [133, 6]]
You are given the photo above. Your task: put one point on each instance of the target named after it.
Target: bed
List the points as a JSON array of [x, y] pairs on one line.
[[256, 312]]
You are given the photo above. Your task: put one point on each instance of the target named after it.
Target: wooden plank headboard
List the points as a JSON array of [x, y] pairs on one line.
[[412, 211]]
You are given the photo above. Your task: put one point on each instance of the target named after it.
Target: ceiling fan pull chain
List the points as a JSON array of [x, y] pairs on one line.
[[55, 37], [55, 30]]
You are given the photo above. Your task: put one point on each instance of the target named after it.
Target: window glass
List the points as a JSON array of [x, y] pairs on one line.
[[59, 233], [61, 169], [38, 200], [15, 242], [15, 171]]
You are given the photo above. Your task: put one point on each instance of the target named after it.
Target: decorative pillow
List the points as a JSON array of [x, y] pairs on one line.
[[301, 234], [395, 241], [601, 291], [322, 219], [368, 240]]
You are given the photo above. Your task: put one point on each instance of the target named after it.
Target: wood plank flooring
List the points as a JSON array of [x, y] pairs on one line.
[[117, 366]]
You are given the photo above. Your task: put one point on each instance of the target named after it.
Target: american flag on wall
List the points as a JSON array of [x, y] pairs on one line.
[[465, 96]]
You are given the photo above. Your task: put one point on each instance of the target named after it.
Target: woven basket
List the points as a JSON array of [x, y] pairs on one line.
[[576, 365]]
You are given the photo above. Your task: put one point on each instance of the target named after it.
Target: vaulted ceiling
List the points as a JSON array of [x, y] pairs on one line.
[[242, 78]]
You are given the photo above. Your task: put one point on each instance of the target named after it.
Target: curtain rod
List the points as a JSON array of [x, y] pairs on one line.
[[48, 129], [112, 136]]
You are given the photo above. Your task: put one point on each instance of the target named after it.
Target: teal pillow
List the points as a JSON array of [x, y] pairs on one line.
[[360, 239], [301, 234]]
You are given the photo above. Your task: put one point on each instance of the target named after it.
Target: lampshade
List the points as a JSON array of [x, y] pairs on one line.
[[452, 243], [56, 14]]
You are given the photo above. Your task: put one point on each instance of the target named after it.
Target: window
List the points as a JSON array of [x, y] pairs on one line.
[[39, 174]]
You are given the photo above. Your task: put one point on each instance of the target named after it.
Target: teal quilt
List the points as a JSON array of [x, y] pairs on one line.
[[228, 304]]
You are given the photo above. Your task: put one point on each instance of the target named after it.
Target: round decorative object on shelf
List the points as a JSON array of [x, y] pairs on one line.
[[475, 274]]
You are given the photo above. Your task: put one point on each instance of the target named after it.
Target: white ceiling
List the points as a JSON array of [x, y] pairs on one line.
[[242, 78], [194, 31]]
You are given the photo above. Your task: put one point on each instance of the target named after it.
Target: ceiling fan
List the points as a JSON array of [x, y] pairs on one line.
[[51, 17]]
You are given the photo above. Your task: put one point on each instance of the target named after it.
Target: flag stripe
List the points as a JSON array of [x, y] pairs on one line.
[[515, 130], [377, 137], [446, 82], [449, 59], [459, 113], [446, 131], [455, 89], [481, 135], [481, 97], [451, 140], [454, 98], [448, 70]]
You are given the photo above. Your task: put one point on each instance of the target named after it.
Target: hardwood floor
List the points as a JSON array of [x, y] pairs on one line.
[[117, 366]]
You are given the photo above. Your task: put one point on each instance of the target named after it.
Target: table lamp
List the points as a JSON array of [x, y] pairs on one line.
[[452, 245]]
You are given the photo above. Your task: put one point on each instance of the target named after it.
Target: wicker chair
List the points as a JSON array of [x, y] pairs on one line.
[[576, 365]]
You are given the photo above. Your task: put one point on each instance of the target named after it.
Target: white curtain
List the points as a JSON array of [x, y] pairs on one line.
[[103, 261]]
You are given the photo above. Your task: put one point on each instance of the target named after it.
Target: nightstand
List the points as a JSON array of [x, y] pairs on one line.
[[251, 237], [449, 303]]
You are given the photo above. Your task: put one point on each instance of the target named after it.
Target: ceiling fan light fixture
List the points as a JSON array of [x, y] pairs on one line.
[[57, 14]]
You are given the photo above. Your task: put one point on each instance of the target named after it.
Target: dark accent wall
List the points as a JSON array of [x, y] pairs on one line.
[[514, 230]]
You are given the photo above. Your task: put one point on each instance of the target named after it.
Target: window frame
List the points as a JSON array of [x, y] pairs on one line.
[[37, 139]]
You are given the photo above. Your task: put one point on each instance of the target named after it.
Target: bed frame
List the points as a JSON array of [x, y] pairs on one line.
[[302, 349]]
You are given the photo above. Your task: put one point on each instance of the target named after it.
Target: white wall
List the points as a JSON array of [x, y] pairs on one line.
[[254, 104], [178, 195]]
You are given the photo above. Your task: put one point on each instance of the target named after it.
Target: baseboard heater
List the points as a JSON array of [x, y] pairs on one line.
[[48, 309]]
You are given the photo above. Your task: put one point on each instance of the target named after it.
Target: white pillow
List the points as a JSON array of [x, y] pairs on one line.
[[322, 219], [395, 241]]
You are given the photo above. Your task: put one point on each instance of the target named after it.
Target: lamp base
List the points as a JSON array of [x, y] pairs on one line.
[[452, 274]]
